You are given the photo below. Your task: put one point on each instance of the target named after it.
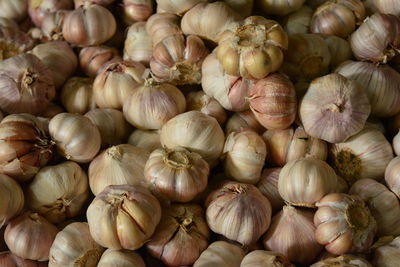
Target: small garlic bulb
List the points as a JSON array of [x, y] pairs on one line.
[[292, 234], [291, 144], [228, 212], [334, 108], [244, 156], [147, 139], [265, 258], [11, 198], [58, 192], [76, 137], [30, 236], [280, 7], [344, 260], [387, 255], [229, 91], [52, 24], [176, 174], [121, 258], [116, 82], [364, 155], [93, 59], [73, 246], [305, 181], [268, 186], [382, 203], [123, 217], [151, 105], [344, 224], [196, 132], [117, 165], [181, 235], [253, 49], [136, 10], [176, 6], [14, 9], [377, 38], [339, 49], [221, 254], [243, 120], [77, 95], [299, 21], [392, 176], [138, 44], [387, 6], [198, 100], [161, 25]]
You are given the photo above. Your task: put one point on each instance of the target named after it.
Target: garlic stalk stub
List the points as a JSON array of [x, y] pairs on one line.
[[52, 25], [11, 197], [222, 254]]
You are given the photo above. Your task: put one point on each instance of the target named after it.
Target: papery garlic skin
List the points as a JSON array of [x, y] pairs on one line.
[[14, 9], [38, 9], [136, 10], [387, 255], [345, 260], [161, 25], [147, 139], [93, 59], [11, 198], [387, 6], [118, 165], [177, 7], [200, 101], [344, 224], [138, 44], [122, 258], [364, 155], [299, 21], [278, 7], [10, 260], [73, 246], [77, 95], [265, 258], [392, 177], [334, 108], [292, 234], [123, 217], [222, 254], [243, 120], [13, 41], [268, 186], [228, 212], [76, 137], [339, 50]]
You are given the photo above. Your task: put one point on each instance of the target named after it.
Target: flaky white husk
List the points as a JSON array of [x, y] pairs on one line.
[[222, 254], [121, 258], [138, 44], [388, 255], [12, 199]]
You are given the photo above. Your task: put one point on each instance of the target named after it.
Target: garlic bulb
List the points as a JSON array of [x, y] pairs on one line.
[[243, 120], [25, 146], [292, 234], [253, 49], [339, 49], [364, 155], [138, 44], [387, 7], [176, 174], [93, 59], [381, 83], [77, 95], [14, 9], [136, 10], [10, 260], [38, 9], [228, 212], [222, 254], [95, 25], [219, 18], [73, 246], [344, 260], [291, 144], [377, 38], [268, 186], [177, 7], [279, 7], [26, 85], [181, 235], [382, 203], [117, 165], [30, 236], [244, 156], [123, 217], [13, 41], [265, 258], [149, 140], [121, 258], [161, 25], [305, 181], [299, 21], [116, 82], [344, 224], [12, 199], [113, 127], [388, 255], [273, 101], [338, 18], [196, 132], [229, 91], [58, 192], [150, 106], [52, 25], [334, 108], [198, 100], [392, 177], [242, 7], [307, 57], [76, 137]]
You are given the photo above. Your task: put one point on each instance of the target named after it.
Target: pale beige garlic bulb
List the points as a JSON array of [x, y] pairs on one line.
[[147, 139], [76, 137], [151, 105], [344, 260], [242, 120], [280, 7], [11, 198], [181, 235], [382, 203], [229, 214], [117, 165], [162, 25], [339, 49], [116, 82], [268, 186], [222, 254], [334, 108], [38, 9], [230, 91], [176, 174], [136, 10], [10, 260], [344, 224], [121, 258], [292, 234], [303, 182], [299, 21], [77, 95], [74, 246], [387, 255], [253, 49], [30, 236], [123, 217], [364, 155], [177, 7], [244, 156], [291, 144], [242, 7], [387, 6], [93, 59], [265, 258], [392, 176], [51, 28], [14, 9], [58, 192], [198, 100], [138, 44]]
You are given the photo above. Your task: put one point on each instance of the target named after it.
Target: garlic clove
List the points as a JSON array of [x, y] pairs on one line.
[[243, 120], [93, 59], [161, 25], [77, 95], [138, 44], [392, 177], [147, 139]]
